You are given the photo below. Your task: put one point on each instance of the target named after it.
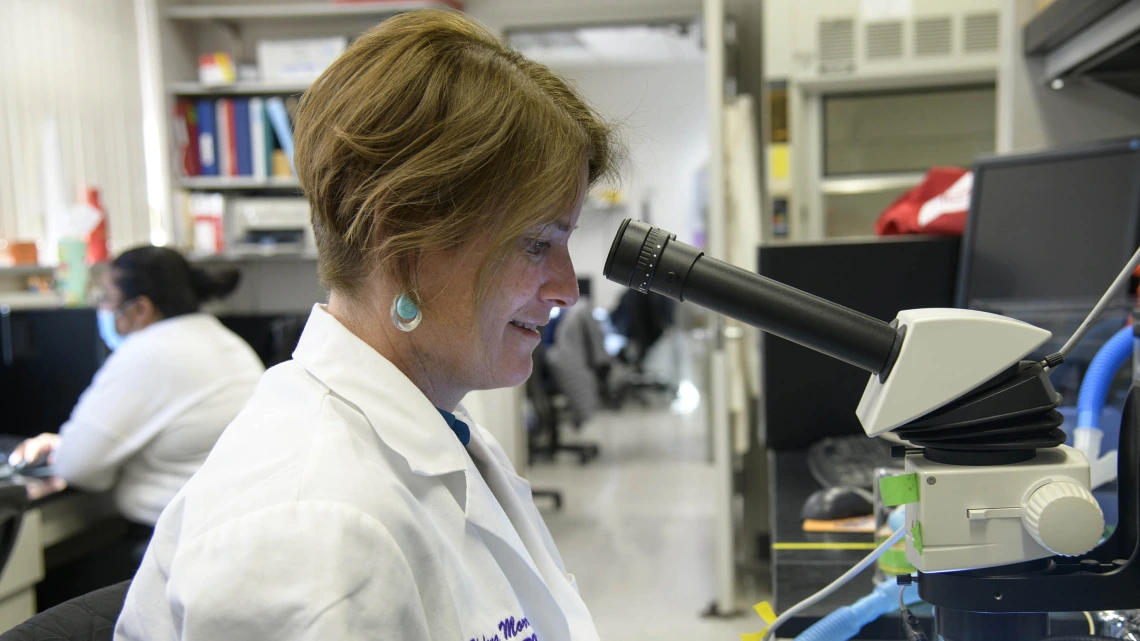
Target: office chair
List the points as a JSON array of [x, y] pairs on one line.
[[643, 319], [90, 617], [13, 503], [272, 336], [546, 440]]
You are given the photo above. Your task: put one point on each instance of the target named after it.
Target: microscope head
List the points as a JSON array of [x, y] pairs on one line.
[[944, 355]]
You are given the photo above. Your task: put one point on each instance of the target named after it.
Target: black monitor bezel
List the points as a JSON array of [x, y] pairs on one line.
[[1090, 150]]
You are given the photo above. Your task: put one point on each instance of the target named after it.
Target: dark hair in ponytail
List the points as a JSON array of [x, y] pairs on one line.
[[169, 281]]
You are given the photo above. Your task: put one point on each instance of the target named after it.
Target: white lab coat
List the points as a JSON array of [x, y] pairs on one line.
[[339, 505]]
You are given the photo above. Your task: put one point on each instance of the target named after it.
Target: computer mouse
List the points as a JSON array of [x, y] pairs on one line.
[[38, 468], [834, 503]]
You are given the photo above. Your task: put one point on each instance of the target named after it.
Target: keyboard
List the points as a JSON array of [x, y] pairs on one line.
[[849, 460]]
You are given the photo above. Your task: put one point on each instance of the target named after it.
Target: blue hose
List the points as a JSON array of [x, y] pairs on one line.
[[846, 621], [1098, 378]]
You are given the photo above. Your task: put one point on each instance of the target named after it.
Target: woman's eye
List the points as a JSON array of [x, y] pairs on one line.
[[537, 247]]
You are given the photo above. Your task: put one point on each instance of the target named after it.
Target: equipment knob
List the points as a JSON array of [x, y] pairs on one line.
[[1064, 518]]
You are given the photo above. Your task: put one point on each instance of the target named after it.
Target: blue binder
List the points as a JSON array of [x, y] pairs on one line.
[[244, 141], [207, 137]]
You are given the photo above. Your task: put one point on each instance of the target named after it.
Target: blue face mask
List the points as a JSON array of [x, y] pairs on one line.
[[107, 331]]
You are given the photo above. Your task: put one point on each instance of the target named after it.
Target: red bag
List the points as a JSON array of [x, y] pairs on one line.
[[937, 205]]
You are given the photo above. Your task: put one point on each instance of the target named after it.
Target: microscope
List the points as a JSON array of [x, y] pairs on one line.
[[1000, 521]]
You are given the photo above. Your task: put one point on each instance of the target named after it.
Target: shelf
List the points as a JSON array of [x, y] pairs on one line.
[[25, 270], [870, 183], [215, 183], [265, 254], [1106, 50], [237, 89], [29, 300], [299, 10], [1061, 21]]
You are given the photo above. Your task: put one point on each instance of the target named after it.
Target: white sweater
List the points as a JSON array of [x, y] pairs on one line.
[[154, 411]]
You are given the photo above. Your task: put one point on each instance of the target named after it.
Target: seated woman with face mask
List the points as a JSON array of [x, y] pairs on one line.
[[156, 407]]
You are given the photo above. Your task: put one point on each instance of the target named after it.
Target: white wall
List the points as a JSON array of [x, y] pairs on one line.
[[500, 412], [74, 61], [778, 45], [661, 114]]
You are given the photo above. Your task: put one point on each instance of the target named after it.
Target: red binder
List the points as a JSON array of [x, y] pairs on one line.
[[231, 141], [186, 119]]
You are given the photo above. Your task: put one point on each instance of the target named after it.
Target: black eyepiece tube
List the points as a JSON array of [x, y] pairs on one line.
[[650, 259]]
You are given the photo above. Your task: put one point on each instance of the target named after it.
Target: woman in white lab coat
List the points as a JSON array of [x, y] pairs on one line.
[[353, 498], [174, 380]]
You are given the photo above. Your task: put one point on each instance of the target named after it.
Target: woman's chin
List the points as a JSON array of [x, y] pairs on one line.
[[514, 376]]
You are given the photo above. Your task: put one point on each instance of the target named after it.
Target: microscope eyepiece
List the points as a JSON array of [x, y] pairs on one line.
[[650, 259]]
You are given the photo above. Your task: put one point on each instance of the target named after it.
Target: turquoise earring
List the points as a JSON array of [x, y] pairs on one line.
[[406, 314]]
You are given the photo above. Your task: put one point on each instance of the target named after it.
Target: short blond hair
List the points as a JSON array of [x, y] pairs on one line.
[[429, 130]]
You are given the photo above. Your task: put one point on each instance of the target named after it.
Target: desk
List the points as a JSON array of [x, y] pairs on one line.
[[803, 563], [54, 516]]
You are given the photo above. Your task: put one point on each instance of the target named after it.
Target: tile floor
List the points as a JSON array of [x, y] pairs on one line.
[[637, 527]]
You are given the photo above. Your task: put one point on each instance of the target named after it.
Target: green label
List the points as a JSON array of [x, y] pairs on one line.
[[899, 490], [916, 535]]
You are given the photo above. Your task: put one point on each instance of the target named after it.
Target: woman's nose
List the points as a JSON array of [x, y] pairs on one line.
[[561, 287]]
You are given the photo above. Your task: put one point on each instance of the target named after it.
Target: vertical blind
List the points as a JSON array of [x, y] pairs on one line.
[[74, 61]]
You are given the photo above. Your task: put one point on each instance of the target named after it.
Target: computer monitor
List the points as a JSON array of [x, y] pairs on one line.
[[1056, 225], [47, 359]]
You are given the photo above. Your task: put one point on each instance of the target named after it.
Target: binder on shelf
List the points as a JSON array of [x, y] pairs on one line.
[[207, 137], [242, 137], [231, 137], [275, 108], [271, 144], [186, 135], [224, 164], [257, 125]]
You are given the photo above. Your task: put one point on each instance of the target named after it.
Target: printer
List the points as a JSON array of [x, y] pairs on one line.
[[260, 225]]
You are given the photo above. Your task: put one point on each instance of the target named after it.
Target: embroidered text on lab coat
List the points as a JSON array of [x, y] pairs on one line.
[[511, 628]]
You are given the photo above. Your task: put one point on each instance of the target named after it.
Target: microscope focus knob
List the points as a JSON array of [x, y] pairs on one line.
[[1064, 518]]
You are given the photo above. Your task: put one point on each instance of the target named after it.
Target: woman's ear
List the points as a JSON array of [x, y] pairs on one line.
[[146, 313]]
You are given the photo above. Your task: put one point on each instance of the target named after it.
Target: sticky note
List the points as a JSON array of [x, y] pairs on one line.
[[764, 609], [779, 161], [899, 490], [916, 536], [753, 636]]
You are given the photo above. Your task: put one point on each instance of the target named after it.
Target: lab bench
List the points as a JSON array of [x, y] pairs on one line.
[[805, 562], [55, 518]]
